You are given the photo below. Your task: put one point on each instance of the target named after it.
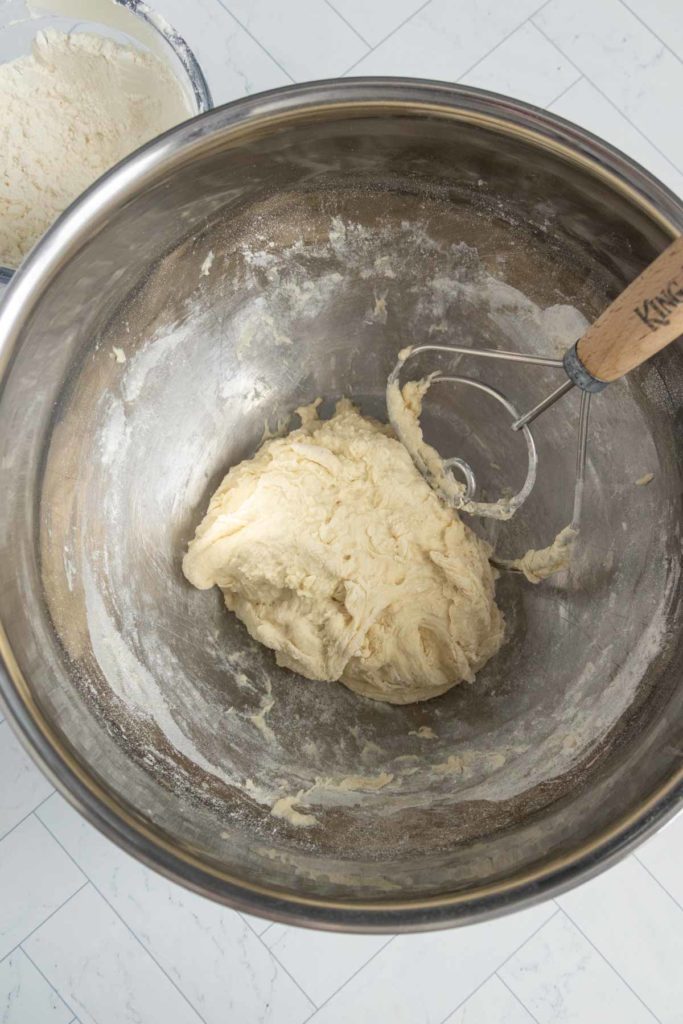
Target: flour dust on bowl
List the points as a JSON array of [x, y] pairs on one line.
[[283, 248]]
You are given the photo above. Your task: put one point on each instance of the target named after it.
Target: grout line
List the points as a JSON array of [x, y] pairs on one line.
[[611, 102], [19, 946], [348, 23], [564, 91], [351, 977], [517, 999], [277, 959], [22, 820], [655, 879], [257, 41], [48, 982], [52, 913], [512, 31], [468, 997], [535, 932], [125, 924], [652, 32], [290, 976], [538, 11], [508, 35], [251, 927], [388, 36], [610, 964], [494, 972]]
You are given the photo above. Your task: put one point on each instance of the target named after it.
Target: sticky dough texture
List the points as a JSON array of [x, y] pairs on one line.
[[335, 553]]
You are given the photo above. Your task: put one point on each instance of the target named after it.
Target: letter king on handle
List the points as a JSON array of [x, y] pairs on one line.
[[641, 321]]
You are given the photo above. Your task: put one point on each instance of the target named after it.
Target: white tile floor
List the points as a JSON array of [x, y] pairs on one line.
[[88, 935]]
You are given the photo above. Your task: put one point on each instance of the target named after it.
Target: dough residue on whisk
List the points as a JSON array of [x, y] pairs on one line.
[[336, 553], [539, 564], [405, 406]]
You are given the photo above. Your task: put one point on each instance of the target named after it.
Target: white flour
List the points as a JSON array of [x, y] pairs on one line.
[[71, 110]]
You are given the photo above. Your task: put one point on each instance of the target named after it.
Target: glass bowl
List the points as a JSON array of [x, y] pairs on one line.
[[131, 22]]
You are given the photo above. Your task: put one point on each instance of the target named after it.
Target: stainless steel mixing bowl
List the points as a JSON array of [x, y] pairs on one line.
[[269, 252]]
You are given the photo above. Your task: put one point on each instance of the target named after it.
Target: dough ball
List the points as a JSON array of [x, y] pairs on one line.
[[336, 554]]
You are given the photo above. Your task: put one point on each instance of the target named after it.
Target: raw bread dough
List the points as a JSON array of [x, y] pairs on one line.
[[538, 564], [404, 405], [336, 553], [284, 808]]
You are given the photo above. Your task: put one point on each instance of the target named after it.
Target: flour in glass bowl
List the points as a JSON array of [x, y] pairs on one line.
[[70, 110]]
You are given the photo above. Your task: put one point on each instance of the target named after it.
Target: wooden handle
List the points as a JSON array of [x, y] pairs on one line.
[[644, 319]]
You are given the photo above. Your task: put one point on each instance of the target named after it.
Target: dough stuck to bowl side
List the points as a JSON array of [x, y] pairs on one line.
[[335, 553]]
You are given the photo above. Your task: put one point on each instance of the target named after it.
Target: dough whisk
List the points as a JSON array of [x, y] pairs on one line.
[[645, 318]]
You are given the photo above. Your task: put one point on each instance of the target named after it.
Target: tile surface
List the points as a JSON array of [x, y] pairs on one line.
[[23, 786], [663, 17], [493, 1003], [36, 877], [559, 975], [102, 970], [625, 60], [307, 38], [638, 928], [257, 924], [663, 858], [585, 105], [376, 20], [233, 62], [525, 65], [89, 936], [422, 977], [446, 38], [25, 995], [321, 962], [221, 965]]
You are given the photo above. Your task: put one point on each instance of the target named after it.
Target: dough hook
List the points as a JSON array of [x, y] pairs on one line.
[[645, 318]]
